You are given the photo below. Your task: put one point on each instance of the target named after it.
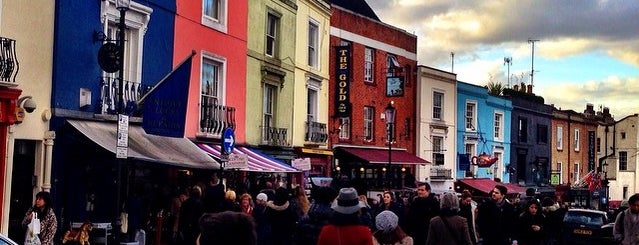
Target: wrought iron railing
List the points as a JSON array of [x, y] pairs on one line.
[[133, 91], [275, 136], [215, 117], [8, 62], [441, 173], [316, 132]]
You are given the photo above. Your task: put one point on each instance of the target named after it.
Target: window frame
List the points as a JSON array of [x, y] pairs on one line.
[[369, 65], [498, 126], [560, 137], [470, 121], [522, 129], [220, 22], [623, 161], [542, 134], [313, 44], [576, 139], [438, 105], [369, 123], [269, 100], [312, 102], [344, 128], [271, 33]]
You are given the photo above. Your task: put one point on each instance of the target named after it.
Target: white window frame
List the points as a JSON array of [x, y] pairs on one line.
[[218, 22], [438, 105], [470, 116], [369, 65], [269, 100], [391, 62], [577, 172], [498, 126], [219, 85], [369, 116], [437, 147], [313, 44], [312, 100], [272, 20], [560, 137], [499, 165], [576, 138], [344, 128], [560, 167]]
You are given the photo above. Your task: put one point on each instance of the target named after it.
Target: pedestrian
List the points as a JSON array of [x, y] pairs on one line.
[[262, 217], [496, 218], [43, 209], [626, 229], [389, 203], [230, 202], [283, 218], [300, 202], [530, 225], [227, 227], [448, 228], [554, 219], [345, 226], [388, 230], [190, 212], [246, 204], [318, 216], [424, 207], [468, 210], [214, 195]]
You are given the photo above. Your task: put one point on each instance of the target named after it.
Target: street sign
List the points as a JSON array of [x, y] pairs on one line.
[[237, 161], [228, 140], [303, 164]]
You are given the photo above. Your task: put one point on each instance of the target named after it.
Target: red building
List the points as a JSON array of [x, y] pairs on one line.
[[372, 64]]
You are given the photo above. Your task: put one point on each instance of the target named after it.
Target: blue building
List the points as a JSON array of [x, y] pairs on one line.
[[483, 127]]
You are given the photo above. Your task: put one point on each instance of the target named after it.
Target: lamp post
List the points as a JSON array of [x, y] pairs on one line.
[[390, 123], [604, 170]]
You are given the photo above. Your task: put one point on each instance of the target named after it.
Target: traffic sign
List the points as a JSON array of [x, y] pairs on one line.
[[228, 141]]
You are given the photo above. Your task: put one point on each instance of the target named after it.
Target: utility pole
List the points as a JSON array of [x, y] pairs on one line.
[[532, 66], [508, 61]]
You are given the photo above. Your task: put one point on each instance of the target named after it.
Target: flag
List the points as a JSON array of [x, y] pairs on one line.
[[164, 106]]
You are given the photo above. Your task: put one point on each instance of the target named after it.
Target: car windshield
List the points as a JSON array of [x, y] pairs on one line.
[[586, 218]]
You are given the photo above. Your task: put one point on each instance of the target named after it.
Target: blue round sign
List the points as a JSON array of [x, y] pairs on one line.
[[228, 140]]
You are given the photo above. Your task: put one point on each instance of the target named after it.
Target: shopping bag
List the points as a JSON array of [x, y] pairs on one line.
[[34, 226], [32, 237]]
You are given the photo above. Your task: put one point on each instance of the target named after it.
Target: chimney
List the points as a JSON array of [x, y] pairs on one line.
[[606, 112], [590, 109], [516, 87], [529, 88]]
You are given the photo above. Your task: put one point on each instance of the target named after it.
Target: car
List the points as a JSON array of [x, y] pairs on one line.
[[586, 226], [4, 240]]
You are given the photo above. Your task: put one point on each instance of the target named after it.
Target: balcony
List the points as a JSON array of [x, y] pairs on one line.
[[275, 136], [8, 62], [316, 132], [215, 117], [440, 174], [133, 91]]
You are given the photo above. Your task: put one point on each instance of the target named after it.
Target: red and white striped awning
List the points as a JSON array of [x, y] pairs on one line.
[[257, 161]]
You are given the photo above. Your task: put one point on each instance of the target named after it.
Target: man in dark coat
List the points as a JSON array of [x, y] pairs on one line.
[[496, 218], [424, 207]]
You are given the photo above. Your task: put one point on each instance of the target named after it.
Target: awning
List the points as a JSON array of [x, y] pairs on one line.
[[486, 185], [179, 152], [380, 156], [257, 161]]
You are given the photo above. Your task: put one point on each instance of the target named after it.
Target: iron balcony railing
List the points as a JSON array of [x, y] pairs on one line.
[[215, 117], [133, 91], [275, 136], [8, 62], [316, 132], [441, 173]]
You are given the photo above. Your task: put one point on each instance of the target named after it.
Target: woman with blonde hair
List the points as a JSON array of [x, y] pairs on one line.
[[230, 202]]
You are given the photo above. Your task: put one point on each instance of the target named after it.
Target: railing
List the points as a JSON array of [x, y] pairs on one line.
[[441, 173], [8, 62], [215, 117], [109, 95], [316, 132], [275, 136]]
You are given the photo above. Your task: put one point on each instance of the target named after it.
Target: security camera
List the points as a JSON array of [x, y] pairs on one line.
[[29, 104]]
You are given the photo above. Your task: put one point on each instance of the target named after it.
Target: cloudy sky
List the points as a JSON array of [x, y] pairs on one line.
[[587, 50]]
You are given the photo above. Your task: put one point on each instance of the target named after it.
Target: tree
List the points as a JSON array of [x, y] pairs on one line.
[[495, 88]]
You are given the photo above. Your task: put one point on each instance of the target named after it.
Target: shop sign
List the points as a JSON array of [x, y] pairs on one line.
[[303, 164], [343, 77], [554, 178], [237, 161]]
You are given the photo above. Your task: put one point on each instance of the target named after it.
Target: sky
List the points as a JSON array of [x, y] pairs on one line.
[[586, 51]]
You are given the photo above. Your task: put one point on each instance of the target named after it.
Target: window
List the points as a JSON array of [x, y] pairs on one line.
[[576, 173], [438, 101], [311, 105], [623, 160], [369, 113], [499, 122], [498, 165], [269, 98], [560, 138], [576, 143], [438, 146], [214, 14], [625, 192], [391, 64], [560, 169], [470, 116], [272, 28], [542, 134], [522, 131], [211, 91], [344, 128], [623, 135], [369, 64], [598, 144], [469, 149], [313, 40]]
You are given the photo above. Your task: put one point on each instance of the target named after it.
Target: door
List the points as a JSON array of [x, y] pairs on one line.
[[22, 183]]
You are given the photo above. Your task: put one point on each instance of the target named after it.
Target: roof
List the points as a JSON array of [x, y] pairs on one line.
[[357, 6]]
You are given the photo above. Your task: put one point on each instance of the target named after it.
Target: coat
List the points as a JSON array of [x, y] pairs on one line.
[[625, 230], [496, 222], [439, 234], [420, 212], [48, 225], [345, 235]]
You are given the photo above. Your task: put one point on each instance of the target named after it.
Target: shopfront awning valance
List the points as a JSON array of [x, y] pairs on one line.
[[179, 152], [380, 156], [257, 161], [486, 185]]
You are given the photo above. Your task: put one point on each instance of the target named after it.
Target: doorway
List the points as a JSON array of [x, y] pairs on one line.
[[22, 183]]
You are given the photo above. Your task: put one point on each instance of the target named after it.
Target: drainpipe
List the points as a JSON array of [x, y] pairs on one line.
[[569, 149]]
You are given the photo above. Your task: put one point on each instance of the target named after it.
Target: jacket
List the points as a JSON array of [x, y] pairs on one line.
[[48, 225], [625, 230], [439, 234], [345, 235]]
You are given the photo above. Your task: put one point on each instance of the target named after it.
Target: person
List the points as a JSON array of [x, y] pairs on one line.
[[554, 219], [230, 202], [43, 208], [389, 203], [246, 204], [626, 227], [448, 227], [262, 217], [522, 204], [318, 216], [345, 226], [388, 230], [424, 207], [214, 195], [496, 218], [176, 204], [468, 209], [190, 212], [300, 202], [530, 225], [227, 227], [283, 218], [365, 214]]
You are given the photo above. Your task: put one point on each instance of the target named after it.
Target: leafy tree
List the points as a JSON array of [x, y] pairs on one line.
[[495, 88]]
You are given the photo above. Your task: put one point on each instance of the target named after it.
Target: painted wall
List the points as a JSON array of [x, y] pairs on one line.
[[625, 178], [190, 35], [566, 156]]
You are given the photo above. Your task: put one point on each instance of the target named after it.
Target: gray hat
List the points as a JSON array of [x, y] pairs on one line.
[[449, 201], [347, 201], [386, 221]]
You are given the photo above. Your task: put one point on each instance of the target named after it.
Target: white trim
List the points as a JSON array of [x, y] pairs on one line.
[[215, 58], [500, 138], [373, 43], [222, 23]]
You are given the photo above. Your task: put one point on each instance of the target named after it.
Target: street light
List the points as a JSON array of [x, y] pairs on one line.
[[390, 122], [122, 6], [604, 170]]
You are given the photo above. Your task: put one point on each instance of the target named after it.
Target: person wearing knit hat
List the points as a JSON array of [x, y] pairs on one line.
[[448, 227], [262, 197], [388, 231], [345, 226]]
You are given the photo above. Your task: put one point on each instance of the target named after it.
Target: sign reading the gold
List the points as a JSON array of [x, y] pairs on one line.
[[342, 98]]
